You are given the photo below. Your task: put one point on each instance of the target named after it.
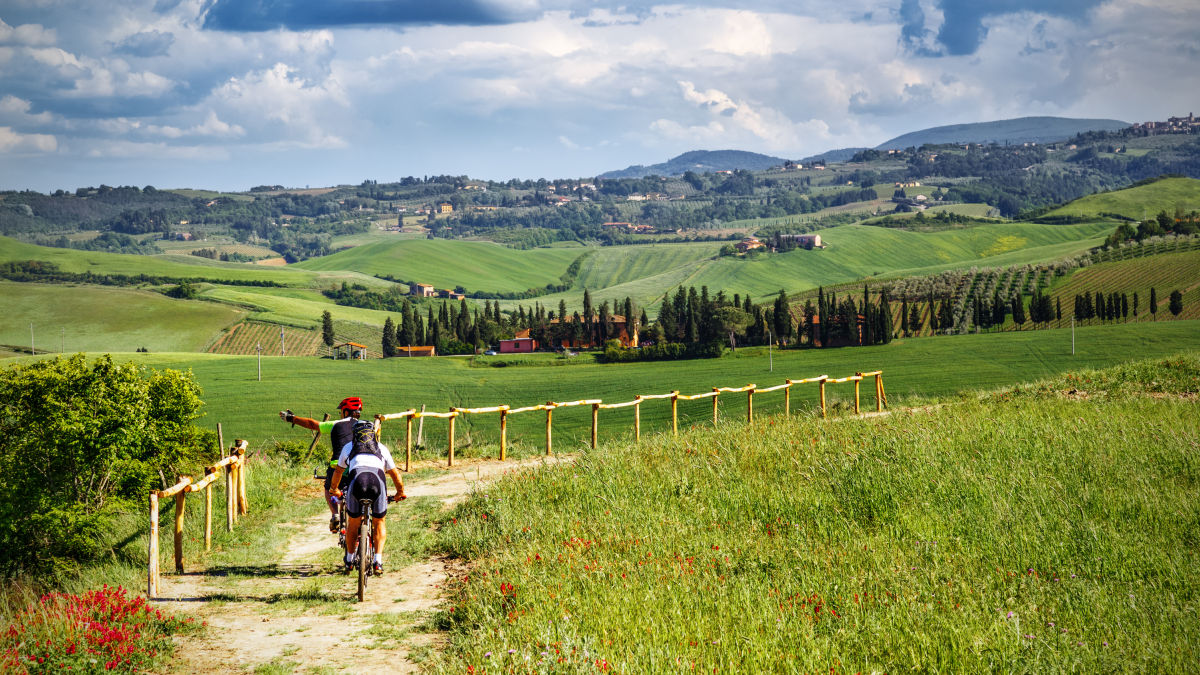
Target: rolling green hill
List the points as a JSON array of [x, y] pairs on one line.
[[1138, 202], [99, 318], [477, 266]]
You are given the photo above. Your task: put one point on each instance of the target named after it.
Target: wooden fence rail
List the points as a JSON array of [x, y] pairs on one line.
[[235, 504], [597, 405]]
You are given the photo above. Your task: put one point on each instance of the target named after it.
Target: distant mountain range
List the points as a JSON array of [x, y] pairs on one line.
[[701, 161], [1020, 130]]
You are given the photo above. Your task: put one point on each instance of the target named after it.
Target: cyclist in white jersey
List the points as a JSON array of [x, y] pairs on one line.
[[367, 460]]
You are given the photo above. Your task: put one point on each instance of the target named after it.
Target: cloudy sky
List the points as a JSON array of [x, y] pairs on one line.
[[234, 93]]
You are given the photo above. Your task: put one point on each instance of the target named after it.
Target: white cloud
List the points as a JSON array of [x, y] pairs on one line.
[[30, 34], [156, 151], [17, 109], [213, 126], [15, 142]]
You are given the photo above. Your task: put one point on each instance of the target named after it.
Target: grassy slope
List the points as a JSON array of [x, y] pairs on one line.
[[1023, 533], [914, 369], [1143, 201], [854, 252], [70, 260], [294, 307], [98, 318], [446, 264]]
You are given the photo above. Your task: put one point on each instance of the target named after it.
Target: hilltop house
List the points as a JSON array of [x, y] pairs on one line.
[[422, 291], [749, 244]]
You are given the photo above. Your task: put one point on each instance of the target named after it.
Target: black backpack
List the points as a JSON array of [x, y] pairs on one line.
[[364, 440]]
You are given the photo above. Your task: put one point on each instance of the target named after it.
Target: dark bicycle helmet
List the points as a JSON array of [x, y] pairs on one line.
[[351, 403]]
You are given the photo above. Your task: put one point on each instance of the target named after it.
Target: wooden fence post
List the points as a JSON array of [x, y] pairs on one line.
[[208, 510], [243, 504], [674, 413], [221, 440], [230, 509], [408, 444], [878, 392], [595, 422], [180, 498], [787, 400], [750, 405], [857, 380], [450, 453], [504, 434], [549, 415], [882, 391], [637, 419], [152, 567], [821, 382], [716, 395]]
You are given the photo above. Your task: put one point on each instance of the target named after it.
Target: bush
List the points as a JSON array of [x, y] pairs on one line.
[[78, 444], [662, 351]]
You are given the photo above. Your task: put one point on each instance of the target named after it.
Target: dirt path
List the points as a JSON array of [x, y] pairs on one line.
[[299, 615]]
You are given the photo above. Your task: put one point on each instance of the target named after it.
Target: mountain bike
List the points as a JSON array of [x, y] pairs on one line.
[[366, 546]]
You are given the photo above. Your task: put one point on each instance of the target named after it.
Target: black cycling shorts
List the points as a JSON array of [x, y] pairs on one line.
[[329, 479], [367, 484]]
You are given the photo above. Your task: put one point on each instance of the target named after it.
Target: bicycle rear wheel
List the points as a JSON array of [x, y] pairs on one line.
[[365, 557]]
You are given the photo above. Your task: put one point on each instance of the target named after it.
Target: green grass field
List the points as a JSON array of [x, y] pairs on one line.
[[1031, 532], [446, 264], [915, 370], [1143, 201], [98, 319]]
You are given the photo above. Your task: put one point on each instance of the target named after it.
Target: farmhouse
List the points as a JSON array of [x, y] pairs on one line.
[[749, 244], [445, 207], [422, 291], [520, 345], [570, 336], [452, 295], [416, 351]]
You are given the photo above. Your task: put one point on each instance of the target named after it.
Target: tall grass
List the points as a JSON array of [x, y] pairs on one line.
[[1049, 529]]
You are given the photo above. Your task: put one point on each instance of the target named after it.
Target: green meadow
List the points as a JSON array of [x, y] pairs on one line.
[[1047, 529], [1140, 202], [446, 264], [915, 371], [99, 318]]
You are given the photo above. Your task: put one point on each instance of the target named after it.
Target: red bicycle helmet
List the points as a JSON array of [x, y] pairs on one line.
[[351, 403]]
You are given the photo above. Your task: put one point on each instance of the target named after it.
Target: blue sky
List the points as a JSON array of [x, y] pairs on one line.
[[229, 94]]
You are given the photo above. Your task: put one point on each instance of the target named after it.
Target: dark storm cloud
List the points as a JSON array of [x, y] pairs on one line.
[[962, 29], [146, 44], [263, 15]]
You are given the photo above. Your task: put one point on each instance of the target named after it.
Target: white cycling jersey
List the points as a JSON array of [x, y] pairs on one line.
[[365, 460]]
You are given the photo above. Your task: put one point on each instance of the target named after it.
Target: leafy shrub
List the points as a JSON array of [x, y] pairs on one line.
[[79, 443], [662, 351]]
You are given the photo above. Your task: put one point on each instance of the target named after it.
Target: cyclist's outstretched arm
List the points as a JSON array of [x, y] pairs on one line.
[[307, 423], [399, 482]]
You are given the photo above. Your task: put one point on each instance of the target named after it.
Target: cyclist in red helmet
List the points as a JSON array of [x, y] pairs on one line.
[[340, 432]]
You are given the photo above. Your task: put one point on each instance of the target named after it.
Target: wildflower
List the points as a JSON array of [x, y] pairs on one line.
[[1010, 615]]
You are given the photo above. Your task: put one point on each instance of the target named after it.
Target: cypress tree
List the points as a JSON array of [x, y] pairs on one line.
[[1153, 304], [885, 317], [389, 338], [782, 315], [822, 317], [1058, 308], [1018, 310], [904, 315], [1175, 302], [327, 335], [914, 321], [406, 336], [998, 309], [1124, 306]]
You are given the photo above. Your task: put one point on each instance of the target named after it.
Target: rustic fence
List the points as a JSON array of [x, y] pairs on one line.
[[597, 405], [233, 466]]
